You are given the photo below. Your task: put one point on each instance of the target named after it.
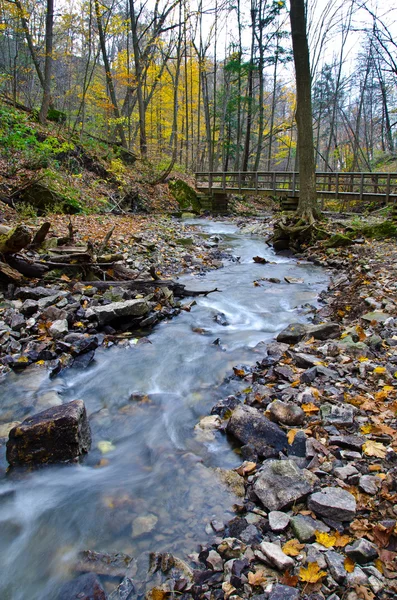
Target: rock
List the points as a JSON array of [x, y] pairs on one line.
[[250, 426], [114, 310], [377, 315], [85, 587], [346, 472], [298, 446], [101, 563], [283, 592], [231, 548], [336, 565], [353, 442], [278, 521], [324, 331], [294, 333], [35, 293], [221, 319], [369, 484], [286, 413], [59, 328], [304, 527], [276, 556], [309, 376], [362, 551], [123, 591], [17, 321], [337, 415], [60, 433], [305, 361], [225, 406], [144, 524], [29, 307], [280, 483], [333, 503], [214, 560], [233, 480]]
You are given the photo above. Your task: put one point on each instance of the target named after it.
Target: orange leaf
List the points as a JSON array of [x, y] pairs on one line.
[[341, 540], [291, 435], [310, 408], [256, 578], [288, 579]]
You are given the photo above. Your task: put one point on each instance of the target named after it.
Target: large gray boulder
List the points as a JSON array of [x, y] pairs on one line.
[[250, 426], [114, 310], [280, 483], [58, 434], [333, 503]]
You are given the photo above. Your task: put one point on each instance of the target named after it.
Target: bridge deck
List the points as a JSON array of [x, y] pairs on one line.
[[381, 187]]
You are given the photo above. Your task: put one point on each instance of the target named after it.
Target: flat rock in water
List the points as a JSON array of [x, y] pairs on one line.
[[280, 483], [101, 563], [85, 587], [333, 503], [250, 426], [60, 433], [114, 310]]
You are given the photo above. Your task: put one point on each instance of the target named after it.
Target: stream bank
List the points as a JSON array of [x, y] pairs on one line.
[[148, 484]]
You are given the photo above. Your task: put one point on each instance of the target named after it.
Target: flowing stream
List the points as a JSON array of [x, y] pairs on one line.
[[156, 488]]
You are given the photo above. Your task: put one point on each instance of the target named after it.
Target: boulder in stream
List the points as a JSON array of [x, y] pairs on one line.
[[58, 434]]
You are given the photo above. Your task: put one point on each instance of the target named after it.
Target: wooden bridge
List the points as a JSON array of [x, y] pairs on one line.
[[344, 189]]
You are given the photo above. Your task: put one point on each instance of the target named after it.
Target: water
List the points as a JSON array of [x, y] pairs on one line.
[[144, 402]]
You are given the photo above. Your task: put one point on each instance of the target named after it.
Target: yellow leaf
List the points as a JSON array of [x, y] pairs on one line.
[[312, 574], [291, 435], [341, 540], [295, 383], [365, 429], [379, 370], [349, 565], [40, 362], [310, 408], [371, 448], [310, 341], [256, 578], [158, 594], [325, 539], [292, 547], [363, 359], [379, 565], [388, 388]]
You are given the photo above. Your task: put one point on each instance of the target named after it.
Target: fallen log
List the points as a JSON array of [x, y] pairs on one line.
[[10, 274], [33, 270], [15, 240], [141, 285]]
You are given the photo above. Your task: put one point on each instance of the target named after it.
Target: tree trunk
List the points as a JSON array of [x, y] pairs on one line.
[[49, 36], [307, 207]]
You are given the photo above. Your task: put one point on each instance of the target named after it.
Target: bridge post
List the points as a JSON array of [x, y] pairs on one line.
[[219, 204]]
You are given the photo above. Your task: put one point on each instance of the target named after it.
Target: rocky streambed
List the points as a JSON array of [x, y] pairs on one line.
[[225, 463]]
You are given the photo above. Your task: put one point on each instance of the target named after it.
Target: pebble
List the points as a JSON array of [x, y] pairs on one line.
[[333, 503], [278, 521], [276, 556]]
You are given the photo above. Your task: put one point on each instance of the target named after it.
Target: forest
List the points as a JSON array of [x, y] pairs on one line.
[[208, 87]]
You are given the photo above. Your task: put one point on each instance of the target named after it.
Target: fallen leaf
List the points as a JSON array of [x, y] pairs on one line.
[[382, 535], [256, 578], [310, 408], [349, 564], [246, 468], [158, 594], [372, 448], [292, 547], [288, 579], [364, 593], [379, 370], [361, 333], [312, 574], [379, 565], [341, 540], [291, 435], [365, 429], [325, 539], [239, 372]]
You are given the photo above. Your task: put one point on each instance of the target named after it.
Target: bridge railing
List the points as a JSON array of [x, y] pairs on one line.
[[339, 186]]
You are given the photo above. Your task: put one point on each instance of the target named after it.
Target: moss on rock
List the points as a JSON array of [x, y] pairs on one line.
[[185, 195]]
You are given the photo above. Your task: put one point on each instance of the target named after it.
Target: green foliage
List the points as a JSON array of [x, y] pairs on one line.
[[20, 142], [26, 210], [378, 231]]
